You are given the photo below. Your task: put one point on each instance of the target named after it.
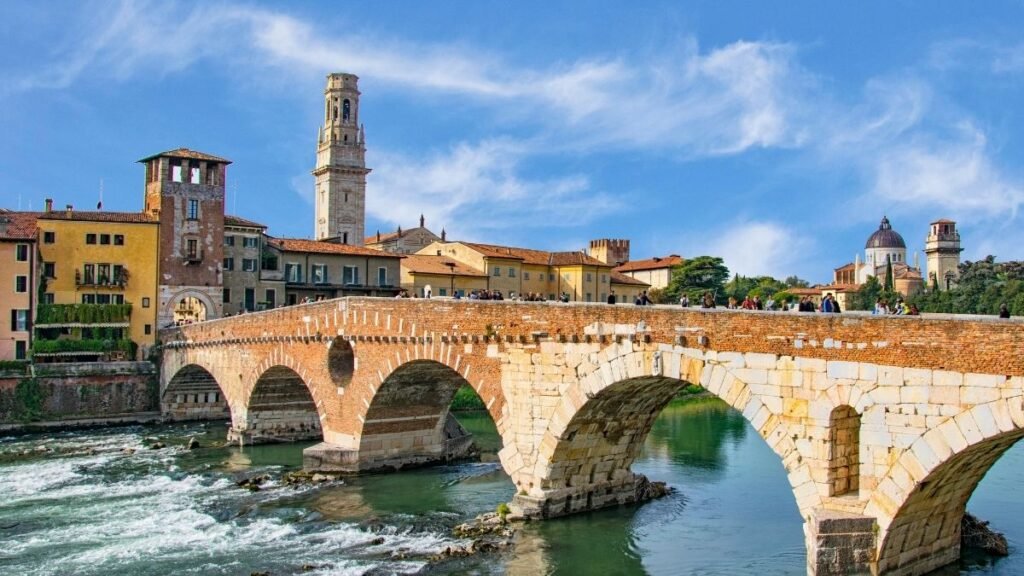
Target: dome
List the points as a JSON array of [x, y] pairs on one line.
[[885, 237]]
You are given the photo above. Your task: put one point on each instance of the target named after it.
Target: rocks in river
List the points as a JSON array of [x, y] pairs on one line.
[[253, 483], [976, 534], [157, 445], [42, 448], [377, 541], [488, 525], [128, 451], [192, 444], [299, 477], [648, 490]]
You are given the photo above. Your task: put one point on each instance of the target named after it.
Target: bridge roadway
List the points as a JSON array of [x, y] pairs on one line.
[[884, 425]]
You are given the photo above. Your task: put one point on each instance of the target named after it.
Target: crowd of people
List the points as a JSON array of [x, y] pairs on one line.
[[899, 308]]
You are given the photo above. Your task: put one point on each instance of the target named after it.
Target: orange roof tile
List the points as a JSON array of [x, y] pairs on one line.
[[18, 225], [539, 257], [620, 278], [426, 264], [187, 154], [655, 263], [93, 216], [319, 247]]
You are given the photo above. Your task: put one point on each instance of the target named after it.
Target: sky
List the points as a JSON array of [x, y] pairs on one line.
[[774, 135]]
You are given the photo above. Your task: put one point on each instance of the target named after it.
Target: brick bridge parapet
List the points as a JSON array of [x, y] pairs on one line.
[[884, 425]]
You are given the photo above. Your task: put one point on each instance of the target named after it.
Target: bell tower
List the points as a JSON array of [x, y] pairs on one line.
[[341, 164], [943, 250]]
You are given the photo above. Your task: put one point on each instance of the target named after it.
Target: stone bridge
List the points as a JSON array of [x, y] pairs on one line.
[[884, 425]]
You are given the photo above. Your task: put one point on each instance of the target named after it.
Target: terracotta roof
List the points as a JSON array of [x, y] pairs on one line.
[[655, 263], [187, 154], [837, 288], [540, 257], [804, 291], [91, 216], [240, 222], [944, 221], [318, 247], [620, 278], [845, 267], [18, 225], [425, 264]]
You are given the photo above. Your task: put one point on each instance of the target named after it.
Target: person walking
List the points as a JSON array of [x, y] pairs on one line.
[[611, 297], [684, 301], [709, 301], [1004, 310]]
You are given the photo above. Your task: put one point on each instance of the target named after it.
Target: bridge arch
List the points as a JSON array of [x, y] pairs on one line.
[[921, 501], [194, 393], [598, 429], [280, 408], [407, 421]]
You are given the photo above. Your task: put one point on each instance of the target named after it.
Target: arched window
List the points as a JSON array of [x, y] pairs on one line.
[[844, 451], [346, 110]]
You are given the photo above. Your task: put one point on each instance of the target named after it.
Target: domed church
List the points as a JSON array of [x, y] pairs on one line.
[[885, 245]]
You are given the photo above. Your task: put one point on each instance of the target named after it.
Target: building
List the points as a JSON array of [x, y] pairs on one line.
[[341, 164], [626, 288], [19, 258], [185, 193], [247, 287], [610, 251], [942, 248], [441, 275], [107, 259], [401, 241], [317, 270], [656, 272], [523, 271], [883, 248]]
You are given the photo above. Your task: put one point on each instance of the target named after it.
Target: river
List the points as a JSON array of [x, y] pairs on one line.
[[86, 506]]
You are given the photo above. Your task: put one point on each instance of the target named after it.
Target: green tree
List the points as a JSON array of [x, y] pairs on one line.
[[697, 276], [869, 293], [890, 282], [796, 282]]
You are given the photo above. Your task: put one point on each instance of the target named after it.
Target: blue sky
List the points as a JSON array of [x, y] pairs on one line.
[[775, 135]]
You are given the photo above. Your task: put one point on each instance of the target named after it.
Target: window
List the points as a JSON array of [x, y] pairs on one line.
[[526, 275], [49, 270], [19, 320], [604, 278], [88, 298], [148, 329], [442, 291], [118, 239], [193, 248], [590, 278], [249, 264], [382, 276], [250, 299], [47, 298], [89, 277], [20, 350], [103, 273], [193, 209], [118, 276], [250, 242], [103, 298], [497, 271], [21, 284], [90, 238], [271, 298], [21, 254], [588, 297], [344, 235], [49, 237], [145, 302], [193, 173], [319, 272], [175, 170], [350, 275], [105, 239], [293, 272], [229, 264], [551, 277], [511, 272], [117, 299], [229, 240], [226, 298]]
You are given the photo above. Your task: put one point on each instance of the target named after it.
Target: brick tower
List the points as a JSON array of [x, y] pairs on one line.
[[341, 164], [185, 190], [942, 247], [610, 251]]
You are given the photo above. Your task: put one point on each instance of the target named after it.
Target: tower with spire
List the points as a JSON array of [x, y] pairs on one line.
[[341, 164]]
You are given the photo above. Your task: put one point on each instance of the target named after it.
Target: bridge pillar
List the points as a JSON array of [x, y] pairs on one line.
[[446, 442], [839, 543], [625, 487]]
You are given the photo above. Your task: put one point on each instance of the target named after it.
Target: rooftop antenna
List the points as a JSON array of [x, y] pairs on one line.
[[99, 205]]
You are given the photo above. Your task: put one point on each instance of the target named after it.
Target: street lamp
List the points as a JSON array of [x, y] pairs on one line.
[[451, 270]]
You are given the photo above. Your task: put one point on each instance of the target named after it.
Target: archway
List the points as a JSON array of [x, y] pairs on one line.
[[408, 422], [188, 310], [194, 394], [280, 409]]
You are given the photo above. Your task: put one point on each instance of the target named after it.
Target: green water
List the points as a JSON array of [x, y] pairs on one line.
[[86, 507]]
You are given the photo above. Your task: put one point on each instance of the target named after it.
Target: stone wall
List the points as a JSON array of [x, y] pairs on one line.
[[80, 393]]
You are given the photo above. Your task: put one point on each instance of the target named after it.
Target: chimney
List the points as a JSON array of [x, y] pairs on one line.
[[422, 221], [69, 209], [443, 235], [49, 204]]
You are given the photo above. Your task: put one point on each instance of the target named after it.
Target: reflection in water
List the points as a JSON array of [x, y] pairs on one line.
[[695, 432]]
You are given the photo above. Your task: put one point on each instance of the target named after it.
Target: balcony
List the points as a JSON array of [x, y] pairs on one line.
[[193, 257], [116, 282]]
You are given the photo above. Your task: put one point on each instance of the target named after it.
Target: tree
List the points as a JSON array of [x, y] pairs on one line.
[[796, 282], [697, 276], [890, 283], [868, 294]]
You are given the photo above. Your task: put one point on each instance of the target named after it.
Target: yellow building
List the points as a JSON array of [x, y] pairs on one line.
[[522, 271], [101, 258], [20, 263], [626, 288], [440, 275]]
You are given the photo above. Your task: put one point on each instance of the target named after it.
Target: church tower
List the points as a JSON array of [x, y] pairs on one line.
[[943, 250], [341, 164]]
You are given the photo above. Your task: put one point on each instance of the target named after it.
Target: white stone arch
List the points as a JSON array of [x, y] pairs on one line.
[[180, 295], [925, 492], [719, 373]]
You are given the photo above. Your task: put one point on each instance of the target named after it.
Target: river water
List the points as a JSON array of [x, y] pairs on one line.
[[83, 505]]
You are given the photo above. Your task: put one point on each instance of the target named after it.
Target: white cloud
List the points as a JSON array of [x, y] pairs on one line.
[[476, 190], [757, 248]]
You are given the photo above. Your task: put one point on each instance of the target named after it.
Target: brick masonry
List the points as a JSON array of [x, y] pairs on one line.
[[574, 389]]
